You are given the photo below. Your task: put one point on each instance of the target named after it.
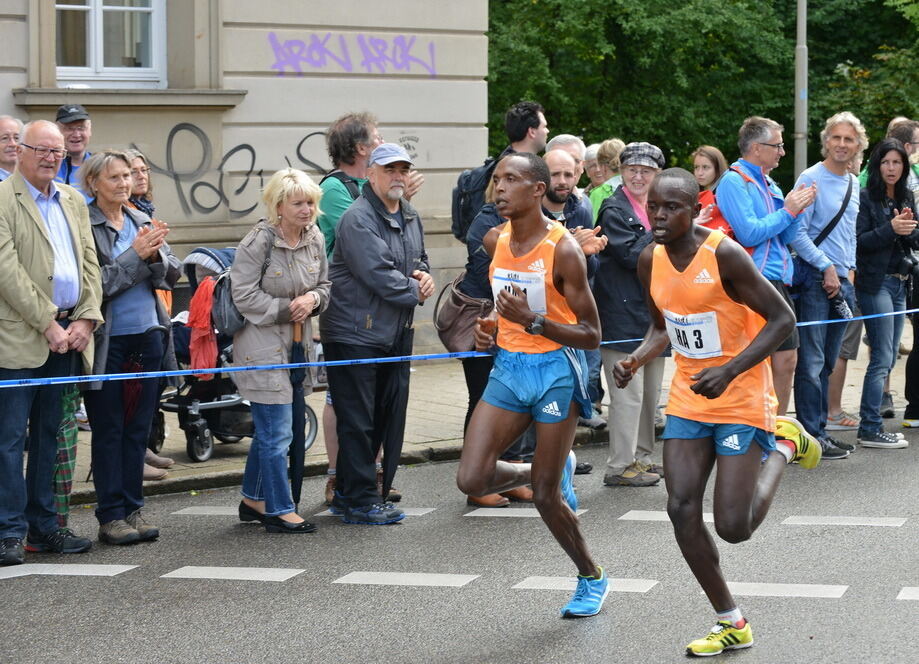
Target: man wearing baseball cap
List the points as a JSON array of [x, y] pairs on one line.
[[74, 123], [379, 272]]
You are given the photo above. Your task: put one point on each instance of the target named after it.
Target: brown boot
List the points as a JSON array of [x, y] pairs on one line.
[[394, 495], [490, 500], [520, 494], [330, 490]]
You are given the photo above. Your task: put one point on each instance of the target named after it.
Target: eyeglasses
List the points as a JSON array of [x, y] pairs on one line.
[[777, 146], [140, 171], [9, 138], [42, 152]]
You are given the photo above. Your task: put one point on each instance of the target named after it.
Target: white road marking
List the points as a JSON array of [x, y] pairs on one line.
[[409, 511], [407, 579], [209, 510], [786, 590], [569, 583], [14, 571], [234, 573], [888, 521], [525, 512], [909, 592], [648, 515]]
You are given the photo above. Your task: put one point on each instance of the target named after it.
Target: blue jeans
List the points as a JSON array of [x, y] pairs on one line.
[[120, 414], [819, 350], [28, 502], [884, 339], [593, 374], [265, 477]]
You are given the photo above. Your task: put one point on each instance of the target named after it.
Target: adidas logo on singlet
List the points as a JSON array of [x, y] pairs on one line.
[[537, 266], [552, 409], [703, 278]]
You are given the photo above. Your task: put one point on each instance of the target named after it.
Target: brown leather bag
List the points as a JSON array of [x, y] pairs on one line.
[[455, 314]]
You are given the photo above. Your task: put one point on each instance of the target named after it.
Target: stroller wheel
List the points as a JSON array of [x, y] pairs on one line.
[[199, 441]]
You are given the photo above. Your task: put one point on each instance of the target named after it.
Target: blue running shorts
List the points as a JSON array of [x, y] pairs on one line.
[[730, 439], [541, 384]]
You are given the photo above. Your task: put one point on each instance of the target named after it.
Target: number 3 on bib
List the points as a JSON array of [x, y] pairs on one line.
[[694, 336]]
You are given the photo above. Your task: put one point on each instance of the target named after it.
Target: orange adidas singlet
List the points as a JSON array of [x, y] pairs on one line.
[[531, 273], [707, 328]]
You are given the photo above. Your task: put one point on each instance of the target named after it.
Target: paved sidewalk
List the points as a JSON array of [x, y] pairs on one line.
[[437, 407]]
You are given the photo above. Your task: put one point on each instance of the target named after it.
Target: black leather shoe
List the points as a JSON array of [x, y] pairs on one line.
[[583, 468], [275, 524], [247, 513], [11, 551]]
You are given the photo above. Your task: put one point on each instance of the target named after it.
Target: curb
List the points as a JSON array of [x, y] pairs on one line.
[[218, 480]]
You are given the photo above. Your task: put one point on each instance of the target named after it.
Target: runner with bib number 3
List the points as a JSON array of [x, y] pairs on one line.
[[723, 320]]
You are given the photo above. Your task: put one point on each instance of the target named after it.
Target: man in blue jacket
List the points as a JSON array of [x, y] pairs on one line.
[[766, 223]]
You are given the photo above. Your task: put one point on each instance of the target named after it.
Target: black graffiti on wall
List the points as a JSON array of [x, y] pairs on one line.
[[196, 194]]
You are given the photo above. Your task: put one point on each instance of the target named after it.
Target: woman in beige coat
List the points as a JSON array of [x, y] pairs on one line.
[[280, 279]]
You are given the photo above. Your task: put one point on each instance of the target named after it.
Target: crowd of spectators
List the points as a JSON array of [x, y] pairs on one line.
[[89, 275]]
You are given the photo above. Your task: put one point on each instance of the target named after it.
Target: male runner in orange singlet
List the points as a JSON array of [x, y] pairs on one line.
[[708, 300], [545, 312]]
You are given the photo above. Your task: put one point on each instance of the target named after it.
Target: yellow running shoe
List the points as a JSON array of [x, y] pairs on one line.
[[724, 636], [809, 452]]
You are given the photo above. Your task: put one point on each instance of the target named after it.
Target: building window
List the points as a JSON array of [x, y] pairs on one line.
[[111, 43]]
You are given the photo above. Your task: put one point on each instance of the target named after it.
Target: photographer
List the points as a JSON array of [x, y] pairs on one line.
[[886, 232]]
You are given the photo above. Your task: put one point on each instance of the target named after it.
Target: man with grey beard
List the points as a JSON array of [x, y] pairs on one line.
[[379, 273]]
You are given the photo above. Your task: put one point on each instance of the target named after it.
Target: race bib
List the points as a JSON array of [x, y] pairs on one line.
[[531, 283], [694, 335]]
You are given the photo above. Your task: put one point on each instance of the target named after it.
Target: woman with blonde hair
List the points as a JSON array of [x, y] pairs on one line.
[[280, 280], [608, 165]]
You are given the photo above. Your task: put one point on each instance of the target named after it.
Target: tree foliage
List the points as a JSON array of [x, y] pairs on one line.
[[683, 74]]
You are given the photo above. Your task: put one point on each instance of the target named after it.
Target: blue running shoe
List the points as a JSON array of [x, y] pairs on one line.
[[568, 482], [378, 514], [588, 597]]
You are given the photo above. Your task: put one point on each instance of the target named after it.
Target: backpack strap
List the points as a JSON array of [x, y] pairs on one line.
[[349, 182]]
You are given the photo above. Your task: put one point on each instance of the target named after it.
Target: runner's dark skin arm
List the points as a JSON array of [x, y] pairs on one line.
[[656, 339], [570, 279], [746, 285]]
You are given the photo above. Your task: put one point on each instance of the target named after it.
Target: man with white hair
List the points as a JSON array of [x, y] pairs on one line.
[[825, 244], [10, 130]]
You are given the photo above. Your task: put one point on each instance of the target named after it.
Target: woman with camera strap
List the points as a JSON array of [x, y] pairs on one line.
[[886, 233]]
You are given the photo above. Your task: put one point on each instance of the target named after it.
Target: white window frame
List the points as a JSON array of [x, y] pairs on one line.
[[98, 76]]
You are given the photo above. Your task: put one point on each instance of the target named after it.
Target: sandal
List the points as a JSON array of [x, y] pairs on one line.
[[841, 422]]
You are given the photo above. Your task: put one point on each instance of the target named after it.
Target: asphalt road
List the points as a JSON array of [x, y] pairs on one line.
[[147, 612]]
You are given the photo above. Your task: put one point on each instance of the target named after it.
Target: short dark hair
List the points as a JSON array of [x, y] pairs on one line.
[[535, 169], [521, 117], [903, 131], [877, 189], [687, 181], [345, 134]]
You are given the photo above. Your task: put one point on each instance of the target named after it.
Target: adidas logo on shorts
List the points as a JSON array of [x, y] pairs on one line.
[[703, 278], [537, 266], [731, 442], [552, 409]]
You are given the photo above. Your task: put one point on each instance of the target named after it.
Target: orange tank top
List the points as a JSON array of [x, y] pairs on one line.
[[707, 328], [531, 273]]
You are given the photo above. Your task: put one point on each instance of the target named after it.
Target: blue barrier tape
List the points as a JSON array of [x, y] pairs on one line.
[[58, 380]]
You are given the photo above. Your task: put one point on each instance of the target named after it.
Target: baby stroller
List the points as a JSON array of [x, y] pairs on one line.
[[209, 409]]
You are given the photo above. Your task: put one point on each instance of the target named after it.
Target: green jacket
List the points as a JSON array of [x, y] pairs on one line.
[[27, 269]]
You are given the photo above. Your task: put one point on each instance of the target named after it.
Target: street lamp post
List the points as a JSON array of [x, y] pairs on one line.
[[800, 134]]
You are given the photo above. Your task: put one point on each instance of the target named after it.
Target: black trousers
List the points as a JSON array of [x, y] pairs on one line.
[[911, 389], [370, 404], [476, 371]]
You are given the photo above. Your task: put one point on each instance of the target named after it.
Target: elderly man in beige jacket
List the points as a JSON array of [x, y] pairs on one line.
[[50, 293]]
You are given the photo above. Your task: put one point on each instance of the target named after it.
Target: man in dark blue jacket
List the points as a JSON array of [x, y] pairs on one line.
[[379, 274]]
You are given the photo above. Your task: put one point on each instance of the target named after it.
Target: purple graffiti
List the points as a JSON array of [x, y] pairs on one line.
[[379, 55]]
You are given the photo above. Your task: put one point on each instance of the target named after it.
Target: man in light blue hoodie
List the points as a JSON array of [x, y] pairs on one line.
[[765, 223]]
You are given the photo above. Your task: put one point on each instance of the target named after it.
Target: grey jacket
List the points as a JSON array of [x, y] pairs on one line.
[[264, 302], [373, 293], [119, 273]]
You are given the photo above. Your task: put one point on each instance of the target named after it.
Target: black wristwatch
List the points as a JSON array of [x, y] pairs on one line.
[[535, 328]]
